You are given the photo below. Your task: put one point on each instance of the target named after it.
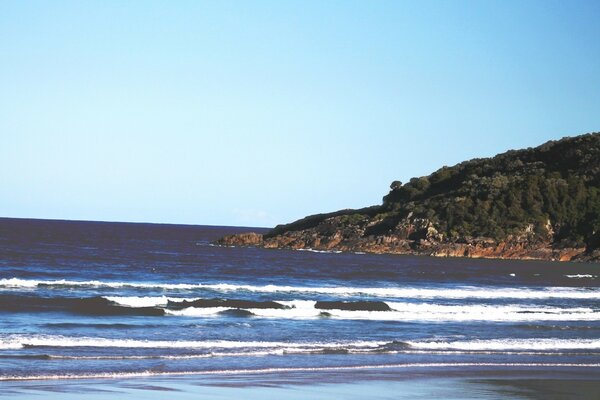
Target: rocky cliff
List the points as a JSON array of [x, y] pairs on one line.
[[541, 203]]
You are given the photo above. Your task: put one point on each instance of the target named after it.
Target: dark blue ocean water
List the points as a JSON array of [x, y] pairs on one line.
[[111, 299]]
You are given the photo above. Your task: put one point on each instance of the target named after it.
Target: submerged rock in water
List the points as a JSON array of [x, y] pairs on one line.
[[209, 303], [353, 305], [236, 312]]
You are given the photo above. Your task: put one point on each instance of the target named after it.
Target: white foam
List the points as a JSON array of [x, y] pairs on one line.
[[144, 301], [30, 283], [175, 357], [20, 341], [581, 276], [119, 375], [388, 292], [16, 282], [480, 312], [320, 251], [510, 344], [305, 309], [312, 350]]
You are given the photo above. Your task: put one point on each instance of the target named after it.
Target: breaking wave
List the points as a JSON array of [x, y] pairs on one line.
[[509, 344], [412, 312], [113, 375], [18, 341], [296, 309], [388, 292], [88, 306], [28, 341]]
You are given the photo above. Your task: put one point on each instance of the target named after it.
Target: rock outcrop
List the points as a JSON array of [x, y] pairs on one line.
[[241, 239], [541, 203], [352, 305], [334, 235]]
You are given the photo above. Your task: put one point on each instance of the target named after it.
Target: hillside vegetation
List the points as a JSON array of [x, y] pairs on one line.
[[546, 197]]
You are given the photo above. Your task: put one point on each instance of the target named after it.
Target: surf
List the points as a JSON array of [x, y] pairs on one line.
[[465, 292]]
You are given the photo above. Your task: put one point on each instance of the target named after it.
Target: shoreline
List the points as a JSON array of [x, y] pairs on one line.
[[235, 243], [438, 368], [457, 383]]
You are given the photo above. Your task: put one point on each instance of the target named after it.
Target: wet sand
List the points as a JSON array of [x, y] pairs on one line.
[[454, 384]]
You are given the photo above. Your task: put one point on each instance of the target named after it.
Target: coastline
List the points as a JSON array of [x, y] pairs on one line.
[[456, 327], [384, 245], [539, 203], [398, 383]]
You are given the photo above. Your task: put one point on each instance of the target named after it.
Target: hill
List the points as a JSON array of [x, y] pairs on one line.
[[535, 203]]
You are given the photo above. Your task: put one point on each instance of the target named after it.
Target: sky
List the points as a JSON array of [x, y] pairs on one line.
[[255, 113]]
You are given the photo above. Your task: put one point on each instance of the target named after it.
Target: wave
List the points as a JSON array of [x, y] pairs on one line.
[[509, 344], [320, 251], [385, 349], [498, 313], [88, 306], [295, 309], [143, 301], [389, 292], [78, 325], [29, 341], [26, 356], [559, 327], [228, 303], [113, 375], [411, 312], [16, 341], [582, 276]]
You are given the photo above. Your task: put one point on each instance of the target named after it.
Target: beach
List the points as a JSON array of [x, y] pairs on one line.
[[455, 383], [141, 310]]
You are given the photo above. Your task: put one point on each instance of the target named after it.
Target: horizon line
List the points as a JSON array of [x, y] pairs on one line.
[[131, 222]]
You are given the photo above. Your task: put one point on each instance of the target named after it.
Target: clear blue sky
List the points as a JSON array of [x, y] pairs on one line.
[[261, 112]]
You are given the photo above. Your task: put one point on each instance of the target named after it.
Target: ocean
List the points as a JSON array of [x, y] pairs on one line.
[[82, 300]]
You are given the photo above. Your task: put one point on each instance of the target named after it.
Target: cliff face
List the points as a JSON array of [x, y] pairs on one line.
[[541, 203], [333, 234]]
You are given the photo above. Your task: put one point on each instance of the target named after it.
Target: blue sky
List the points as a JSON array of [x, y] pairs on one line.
[[258, 113]]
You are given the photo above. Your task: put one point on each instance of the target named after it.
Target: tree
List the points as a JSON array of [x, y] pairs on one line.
[[396, 185]]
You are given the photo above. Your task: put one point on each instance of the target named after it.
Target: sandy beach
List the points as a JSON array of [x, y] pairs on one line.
[[458, 383]]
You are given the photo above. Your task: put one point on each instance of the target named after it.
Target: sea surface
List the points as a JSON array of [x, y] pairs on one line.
[[98, 300]]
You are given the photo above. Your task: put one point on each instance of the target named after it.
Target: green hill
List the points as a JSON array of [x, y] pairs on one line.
[[541, 202]]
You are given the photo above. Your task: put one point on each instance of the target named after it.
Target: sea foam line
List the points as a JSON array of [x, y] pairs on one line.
[[17, 341], [305, 309], [509, 344], [20, 341], [120, 375], [295, 351], [390, 292]]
